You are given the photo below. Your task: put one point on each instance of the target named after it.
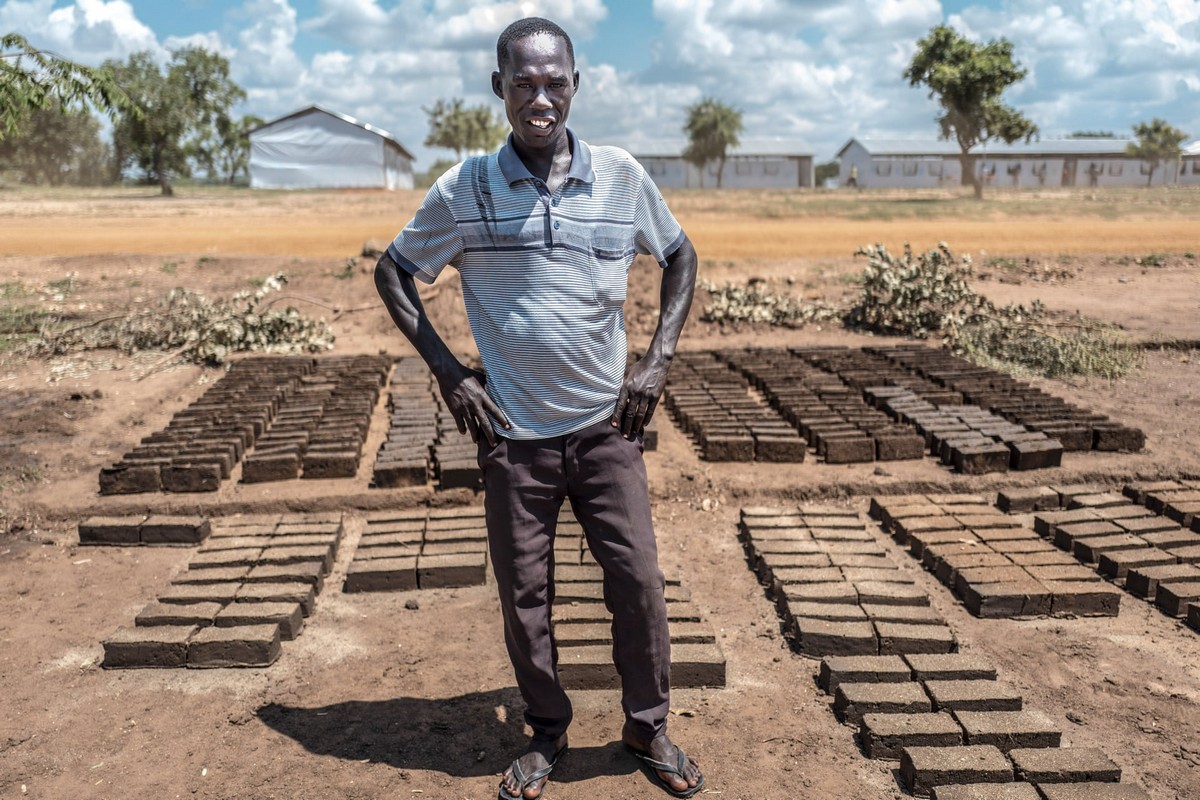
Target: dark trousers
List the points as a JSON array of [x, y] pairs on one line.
[[604, 477]]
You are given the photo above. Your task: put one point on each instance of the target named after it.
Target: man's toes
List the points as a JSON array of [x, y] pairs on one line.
[[534, 790]]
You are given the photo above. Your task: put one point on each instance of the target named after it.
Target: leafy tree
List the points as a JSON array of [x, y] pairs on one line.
[[224, 150], [56, 146], [712, 128], [823, 172], [32, 79], [1092, 135], [181, 109], [968, 79], [423, 180], [454, 126], [1157, 143]]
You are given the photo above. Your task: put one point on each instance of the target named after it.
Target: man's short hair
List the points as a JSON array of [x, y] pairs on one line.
[[530, 26]]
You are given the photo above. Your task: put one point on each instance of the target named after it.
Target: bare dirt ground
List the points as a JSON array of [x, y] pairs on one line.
[[375, 700]]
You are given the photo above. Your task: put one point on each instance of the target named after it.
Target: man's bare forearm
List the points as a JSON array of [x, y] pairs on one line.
[[675, 300]]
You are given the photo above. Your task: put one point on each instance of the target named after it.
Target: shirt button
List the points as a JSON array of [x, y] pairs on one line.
[[556, 224]]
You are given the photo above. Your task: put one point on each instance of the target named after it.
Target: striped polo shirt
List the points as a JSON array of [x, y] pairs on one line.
[[543, 275]]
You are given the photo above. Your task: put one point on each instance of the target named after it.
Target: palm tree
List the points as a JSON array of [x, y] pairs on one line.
[[712, 128]]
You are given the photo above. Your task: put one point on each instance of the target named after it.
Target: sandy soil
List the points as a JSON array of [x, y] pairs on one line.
[[376, 700]]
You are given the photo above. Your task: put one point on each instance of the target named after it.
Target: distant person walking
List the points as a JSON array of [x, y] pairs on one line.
[[853, 176], [543, 233]]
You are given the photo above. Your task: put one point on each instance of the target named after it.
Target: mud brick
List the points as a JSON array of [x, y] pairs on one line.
[[1045, 524], [1041, 558], [952, 667], [839, 592], [1004, 600], [853, 700], [1090, 549], [861, 669], [1119, 513], [831, 612], [110, 530], [1173, 598], [820, 637], [398, 520], [211, 575], [900, 638], [163, 529], [381, 575], [931, 548], [909, 615], [459, 474], [1188, 554], [692, 666], [1143, 581], [976, 576], [1113, 436], [226, 543], [303, 593], [321, 464], [848, 450], [779, 449], [1066, 535], [221, 593], [472, 547], [449, 571], [1138, 490], [148, 646], [288, 616], [985, 695], [789, 576], [1022, 546], [890, 594], [728, 448], [899, 447], [1151, 524], [1022, 501], [264, 467], [844, 534], [241, 557], [1066, 572], [794, 560], [923, 768], [1009, 729], [1115, 565], [193, 614], [191, 477], [947, 568], [242, 646], [1064, 765], [1160, 502], [312, 572], [877, 560], [1035, 454], [399, 551], [986, 791], [921, 532], [987, 519], [391, 474], [371, 540], [1093, 791], [981, 459], [891, 574], [886, 735], [1097, 500], [298, 555], [1074, 438], [1175, 537]]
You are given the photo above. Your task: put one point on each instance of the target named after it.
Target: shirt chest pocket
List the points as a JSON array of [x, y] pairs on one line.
[[609, 259]]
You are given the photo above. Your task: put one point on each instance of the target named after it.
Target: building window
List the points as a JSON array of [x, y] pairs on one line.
[[1144, 168], [742, 168], [935, 169], [909, 168], [1115, 168], [883, 168], [1196, 167]]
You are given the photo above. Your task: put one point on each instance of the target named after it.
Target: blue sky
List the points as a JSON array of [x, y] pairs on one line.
[[813, 72]]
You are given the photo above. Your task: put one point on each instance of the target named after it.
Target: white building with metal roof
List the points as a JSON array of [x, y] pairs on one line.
[[928, 163], [315, 148], [756, 163]]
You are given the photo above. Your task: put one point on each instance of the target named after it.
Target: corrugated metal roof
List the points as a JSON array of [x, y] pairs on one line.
[[1037, 147], [752, 146], [366, 126], [1192, 149]]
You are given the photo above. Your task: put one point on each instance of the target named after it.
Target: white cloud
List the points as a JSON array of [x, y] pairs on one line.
[[85, 30]]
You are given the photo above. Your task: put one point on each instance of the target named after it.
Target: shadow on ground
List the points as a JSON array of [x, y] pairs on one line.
[[468, 736]]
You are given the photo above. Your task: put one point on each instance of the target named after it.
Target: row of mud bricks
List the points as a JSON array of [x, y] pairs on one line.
[[248, 588], [877, 404], [957, 731], [444, 548], [282, 417], [1152, 549]]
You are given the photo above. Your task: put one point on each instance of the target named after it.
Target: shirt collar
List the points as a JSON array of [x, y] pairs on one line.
[[515, 170]]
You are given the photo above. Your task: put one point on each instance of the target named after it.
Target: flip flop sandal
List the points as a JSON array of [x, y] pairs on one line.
[[653, 767], [524, 780]]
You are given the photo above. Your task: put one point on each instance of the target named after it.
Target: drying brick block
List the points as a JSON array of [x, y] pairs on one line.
[[836, 592], [242, 646], [1004, 600], [1093, 791], [1042, 454], [820, 637], [1023, 501], [861, 669], [1009, 729], [885, 735], [1173, 599], [899, 638], [591, 667], [852, 700], [448, 571], [303, 593], [304, 572], [110, 530], [1064, 765], [950, 667], [1144, 581], [983, 695], [381, 575], [157, 646], [891, 594], [183, 594], [288, 616], [987, 791], [197, 477], [1116, 565], [848, 450], [330, 464], [923, 768], [189, 615], [1083, 599], [163, 529], [909, 615], [1193, 616], [981, 459], [264, 467]]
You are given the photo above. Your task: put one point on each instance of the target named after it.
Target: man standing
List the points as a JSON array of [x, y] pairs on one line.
[[543, 233]]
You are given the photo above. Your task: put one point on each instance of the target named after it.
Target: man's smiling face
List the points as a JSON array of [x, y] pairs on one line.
[[536, 84]]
